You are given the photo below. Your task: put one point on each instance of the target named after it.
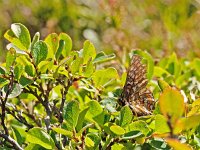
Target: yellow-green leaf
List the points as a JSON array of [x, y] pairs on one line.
[[177, 145], [117, 130], [171, 103]]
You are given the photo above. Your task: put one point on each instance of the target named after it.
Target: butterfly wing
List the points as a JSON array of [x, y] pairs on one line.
[[135, 94]]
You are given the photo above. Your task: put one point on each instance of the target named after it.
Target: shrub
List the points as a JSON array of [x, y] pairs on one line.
[[53, 97]]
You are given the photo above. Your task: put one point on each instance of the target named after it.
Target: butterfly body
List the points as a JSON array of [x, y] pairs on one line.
[[135, 94]]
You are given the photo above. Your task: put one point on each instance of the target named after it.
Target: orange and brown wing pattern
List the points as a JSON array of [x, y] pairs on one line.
[[135, 94]]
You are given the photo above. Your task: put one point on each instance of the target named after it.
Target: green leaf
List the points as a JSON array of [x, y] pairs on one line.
[[162, 84], [174, 66], [159, 72], [150, 62], [95, 140], [125, 116], [63, 131], [36, 38], [88, 51], [60, 49], [18, 70], [30, 70], [25, 81], [104, 76], [158, 143], [76, 65], [44, 66], [95, 109], [22, 33], [161, 125], [40, 137], [117, 146], [19, 36], [68, 44], [2, 71], [89, 143], [89, 69], [32, 146], [171, 103], [101, 57], [117, 130], [19, 134], [10, 58], [132, 135], [71, 113], [182, 79], [52, 40], [81, 119], [39, 52], [3, 82], [138, 126], [17, 89]]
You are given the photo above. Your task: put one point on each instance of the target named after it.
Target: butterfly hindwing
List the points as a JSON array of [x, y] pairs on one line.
[[135, 94]]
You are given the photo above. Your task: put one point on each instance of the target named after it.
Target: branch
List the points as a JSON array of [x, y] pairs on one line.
[[3, 112], [3, 101], [11, 141], [64, 92]]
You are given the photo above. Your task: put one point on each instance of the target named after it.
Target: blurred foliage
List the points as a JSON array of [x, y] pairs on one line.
[[160, 26]]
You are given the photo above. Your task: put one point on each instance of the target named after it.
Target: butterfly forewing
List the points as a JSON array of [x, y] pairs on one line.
[[135, 94]]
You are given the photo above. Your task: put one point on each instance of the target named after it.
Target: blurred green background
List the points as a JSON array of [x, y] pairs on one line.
[[160, 26]]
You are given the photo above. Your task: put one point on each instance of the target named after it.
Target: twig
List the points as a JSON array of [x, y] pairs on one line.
[[11, 141], [3, 112]]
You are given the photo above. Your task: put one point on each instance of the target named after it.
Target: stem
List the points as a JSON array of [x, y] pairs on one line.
[[11, 141], [3, 112], [107, 143]]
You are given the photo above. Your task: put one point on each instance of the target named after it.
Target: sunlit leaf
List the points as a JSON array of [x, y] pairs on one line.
[[81, 119], [132, 135], [159, 72], [101, 57], [39, 52], [71, 113], [19, 36], [76, 65], [68, 44], [117, 130], [36, 38], [40, 137], [161, 125], [162, 84], [188, 122], [88, 51], [60, 49], [176, 145], [94, 109], [102, 77], [95, 138], [52, 41], [125, 116], [10, 58], [138, 126], [15, 91], [63, 131], [171, 103], [117, 146]]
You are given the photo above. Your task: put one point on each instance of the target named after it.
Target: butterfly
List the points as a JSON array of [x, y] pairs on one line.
[[135, 93]]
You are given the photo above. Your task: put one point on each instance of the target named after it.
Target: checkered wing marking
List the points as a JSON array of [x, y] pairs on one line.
[[135, 94]]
